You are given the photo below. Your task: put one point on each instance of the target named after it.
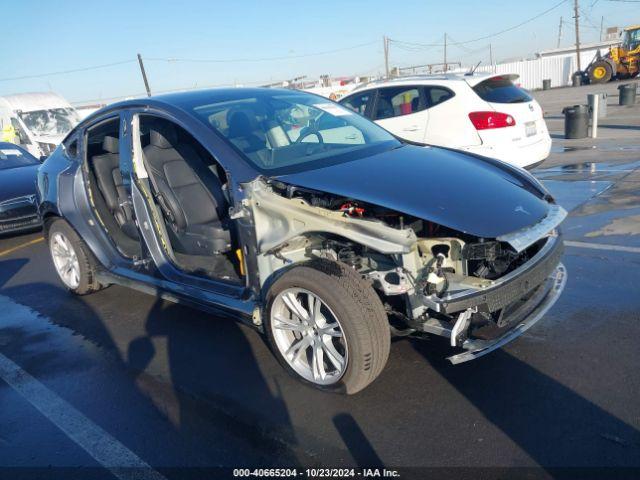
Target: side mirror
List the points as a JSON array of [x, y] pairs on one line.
[[42, 158]]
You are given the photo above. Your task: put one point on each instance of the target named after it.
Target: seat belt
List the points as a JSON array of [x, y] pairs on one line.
[[161, 201], [125, 205]]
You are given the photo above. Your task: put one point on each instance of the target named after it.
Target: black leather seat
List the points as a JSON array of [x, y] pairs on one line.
[[107, 170], [244, 132], [190, 195], [384, 109], [415, 105]]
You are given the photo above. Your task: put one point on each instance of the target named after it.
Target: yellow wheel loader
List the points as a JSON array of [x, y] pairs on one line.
[[622, 61]]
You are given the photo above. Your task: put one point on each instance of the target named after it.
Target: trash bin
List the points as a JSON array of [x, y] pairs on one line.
[[546, 84], [627, 94], [576, 121], [602, 103], [576, 79]]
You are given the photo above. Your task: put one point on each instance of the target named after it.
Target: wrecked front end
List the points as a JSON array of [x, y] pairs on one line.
[[478, 292]]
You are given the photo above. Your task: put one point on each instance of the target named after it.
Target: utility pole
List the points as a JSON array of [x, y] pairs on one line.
[[577, 16], [445, 53], [144, 76], [601, 25], [385, 43], [490, 57], [559, 33]]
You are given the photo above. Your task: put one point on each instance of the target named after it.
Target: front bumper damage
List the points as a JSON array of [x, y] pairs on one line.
[[523, 319], [526, 294]]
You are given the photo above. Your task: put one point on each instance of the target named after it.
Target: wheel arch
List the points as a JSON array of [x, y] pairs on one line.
[[50, 217]]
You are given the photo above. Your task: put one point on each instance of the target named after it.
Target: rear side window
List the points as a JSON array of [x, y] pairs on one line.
[[398, 101], [357, 103], [501, 90], [437, 95]]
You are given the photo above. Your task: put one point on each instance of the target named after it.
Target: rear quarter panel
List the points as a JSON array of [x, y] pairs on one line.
[[47, 183], [60, 192]]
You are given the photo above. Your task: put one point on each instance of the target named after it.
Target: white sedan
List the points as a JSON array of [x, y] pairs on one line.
[[486, 114]]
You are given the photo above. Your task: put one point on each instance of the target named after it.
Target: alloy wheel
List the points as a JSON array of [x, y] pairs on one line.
[[309, 336], [65, 260]]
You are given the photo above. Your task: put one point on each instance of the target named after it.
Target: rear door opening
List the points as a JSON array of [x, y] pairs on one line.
[[108, 186]]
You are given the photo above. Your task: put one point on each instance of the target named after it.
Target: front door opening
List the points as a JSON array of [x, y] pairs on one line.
[[189, 190]]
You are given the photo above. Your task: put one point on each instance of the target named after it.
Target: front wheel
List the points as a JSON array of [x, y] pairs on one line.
[[327, 326]]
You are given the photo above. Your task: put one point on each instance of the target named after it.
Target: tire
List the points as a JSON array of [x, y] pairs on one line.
[[600, 72], [78, 256], [346, 300]]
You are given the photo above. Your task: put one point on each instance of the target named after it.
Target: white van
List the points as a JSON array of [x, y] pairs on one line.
[[40, 120]]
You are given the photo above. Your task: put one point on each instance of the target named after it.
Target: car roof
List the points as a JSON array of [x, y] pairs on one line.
[[200, 97], [444, 78], [29, 102], [186, 100]]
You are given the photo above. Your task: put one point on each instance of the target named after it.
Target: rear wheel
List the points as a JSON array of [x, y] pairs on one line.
[[327, 326], [600, 72], [73, 261]]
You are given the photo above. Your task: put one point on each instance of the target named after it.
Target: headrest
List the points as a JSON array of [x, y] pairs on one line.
[[241, 123], [110, 144], [163, 136]]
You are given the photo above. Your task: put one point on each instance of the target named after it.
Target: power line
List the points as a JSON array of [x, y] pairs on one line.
[[518, 25], [238, 60], [455, 42], [588, 18], [63, 72], [264, 59], [416, 44], [485, 37]]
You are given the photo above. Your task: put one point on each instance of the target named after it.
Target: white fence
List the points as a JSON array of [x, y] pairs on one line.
[[557, 68]]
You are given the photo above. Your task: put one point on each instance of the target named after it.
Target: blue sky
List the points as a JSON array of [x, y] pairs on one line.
[[53, 36]]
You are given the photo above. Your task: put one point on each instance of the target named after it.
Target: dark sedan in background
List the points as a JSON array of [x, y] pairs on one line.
[[18, 169]]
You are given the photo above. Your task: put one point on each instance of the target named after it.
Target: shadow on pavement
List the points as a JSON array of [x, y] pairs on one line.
[[621, 127], [206, 366], [356, 441], [212, 360], [9, 268], [553, 424]]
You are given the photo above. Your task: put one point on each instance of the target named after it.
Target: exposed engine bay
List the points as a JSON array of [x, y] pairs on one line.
[[430, 278]]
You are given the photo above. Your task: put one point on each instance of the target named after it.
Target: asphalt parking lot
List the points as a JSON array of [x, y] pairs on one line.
[[122, 379]]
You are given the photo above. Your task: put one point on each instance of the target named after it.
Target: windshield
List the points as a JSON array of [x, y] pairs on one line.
[[280, 132], [631, 39], [12, 157], [55, 121]]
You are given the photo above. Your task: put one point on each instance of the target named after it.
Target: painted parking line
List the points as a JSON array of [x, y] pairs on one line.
[[602, 246], [104, 448], [21, 246]]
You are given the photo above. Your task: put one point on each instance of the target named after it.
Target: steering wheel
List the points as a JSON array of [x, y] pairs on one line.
[[310, 130]]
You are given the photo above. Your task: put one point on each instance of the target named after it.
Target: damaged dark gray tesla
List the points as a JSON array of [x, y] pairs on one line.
[[306, 221]]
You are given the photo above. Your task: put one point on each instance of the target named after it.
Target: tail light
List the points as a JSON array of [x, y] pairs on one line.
[[488, 120]]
